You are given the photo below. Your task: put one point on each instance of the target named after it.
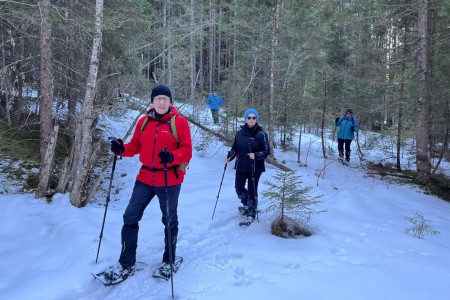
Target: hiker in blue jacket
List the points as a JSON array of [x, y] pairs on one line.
[[348, 125], [215, 101]]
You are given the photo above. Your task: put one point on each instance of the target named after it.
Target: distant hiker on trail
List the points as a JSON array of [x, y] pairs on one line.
[[250, 148], [215, 101], [348, 125], [161, 154]]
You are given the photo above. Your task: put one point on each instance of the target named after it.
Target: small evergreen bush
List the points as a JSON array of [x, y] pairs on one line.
[[420, 227], [291, 205]]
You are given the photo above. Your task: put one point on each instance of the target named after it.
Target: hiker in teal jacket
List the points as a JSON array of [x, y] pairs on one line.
[[348, 125]]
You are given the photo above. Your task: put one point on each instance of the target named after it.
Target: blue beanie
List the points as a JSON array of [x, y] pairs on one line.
[[161, 89], [251, 111]]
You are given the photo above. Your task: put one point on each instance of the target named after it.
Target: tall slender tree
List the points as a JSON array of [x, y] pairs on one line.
[[424, 97], [273, 49], [48, 135], [84, 132]]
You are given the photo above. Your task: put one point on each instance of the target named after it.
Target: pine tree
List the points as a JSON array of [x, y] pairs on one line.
[[290, 204]]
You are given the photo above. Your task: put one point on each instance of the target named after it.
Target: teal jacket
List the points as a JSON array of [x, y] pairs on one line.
[[347, 128]]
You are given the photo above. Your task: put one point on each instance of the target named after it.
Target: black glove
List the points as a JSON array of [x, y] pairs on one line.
[[352, 128], [337, 119], [117, 146], [165, 156]]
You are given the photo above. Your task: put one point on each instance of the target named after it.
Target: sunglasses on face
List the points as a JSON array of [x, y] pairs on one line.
[[251, 118]]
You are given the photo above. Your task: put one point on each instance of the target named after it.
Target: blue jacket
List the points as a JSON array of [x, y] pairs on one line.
[[214, 100], [347, 127], [250, 140]]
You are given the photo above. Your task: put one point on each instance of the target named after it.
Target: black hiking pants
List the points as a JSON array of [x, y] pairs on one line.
[[241, 179], [341, 143], [140, 198], [215, 115]]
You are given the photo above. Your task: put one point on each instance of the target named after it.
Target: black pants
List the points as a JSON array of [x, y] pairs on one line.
[[341, 143], [249, 195], [215, 115], [140, 198]]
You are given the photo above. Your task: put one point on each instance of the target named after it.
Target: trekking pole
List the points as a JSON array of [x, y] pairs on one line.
[[219, 190], [106, 206], [169, 235], [254, 189]]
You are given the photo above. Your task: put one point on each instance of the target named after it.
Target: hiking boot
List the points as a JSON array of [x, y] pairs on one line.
[[347, 159], [341, 154], [251, 213], [164, 270], [243, 209], [120, 272], [249, 219]]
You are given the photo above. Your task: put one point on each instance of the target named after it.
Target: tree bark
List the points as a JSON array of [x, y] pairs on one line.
[[48, 136], [401, 103], [192, 53], [271, 117], [424, 99], [85, 131]]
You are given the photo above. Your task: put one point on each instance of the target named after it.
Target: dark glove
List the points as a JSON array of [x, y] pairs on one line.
[[337, 119], [230, 153], [117, 146], [352, 128], [165, 156]]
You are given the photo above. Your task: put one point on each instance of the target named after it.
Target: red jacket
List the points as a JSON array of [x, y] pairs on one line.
[[155, 137]]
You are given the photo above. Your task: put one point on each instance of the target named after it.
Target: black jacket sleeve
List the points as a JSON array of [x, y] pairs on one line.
[[264, 146], [232, 153]]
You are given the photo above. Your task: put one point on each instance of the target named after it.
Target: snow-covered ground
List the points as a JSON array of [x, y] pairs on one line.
[[359, 248]]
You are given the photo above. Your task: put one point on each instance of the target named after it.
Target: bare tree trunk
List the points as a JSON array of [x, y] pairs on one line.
[[48, 136], [218, 47], [299, 145], [84, 134], [324, 150], [201, 68], [401, 103], [192, 53], [271, 117], [211, 46], [169, 77], [424, 98], [165, 43]]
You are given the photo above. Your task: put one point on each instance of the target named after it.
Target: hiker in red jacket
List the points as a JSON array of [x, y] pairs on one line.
[[157, 146]]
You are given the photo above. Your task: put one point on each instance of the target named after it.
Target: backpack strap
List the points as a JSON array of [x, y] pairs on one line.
[[144, 124], [173, 127]]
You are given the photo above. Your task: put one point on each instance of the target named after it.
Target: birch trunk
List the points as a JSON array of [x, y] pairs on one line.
[[84, 133]]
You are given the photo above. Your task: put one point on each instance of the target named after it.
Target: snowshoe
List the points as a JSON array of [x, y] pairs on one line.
[[163, 270], [116, 274]]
